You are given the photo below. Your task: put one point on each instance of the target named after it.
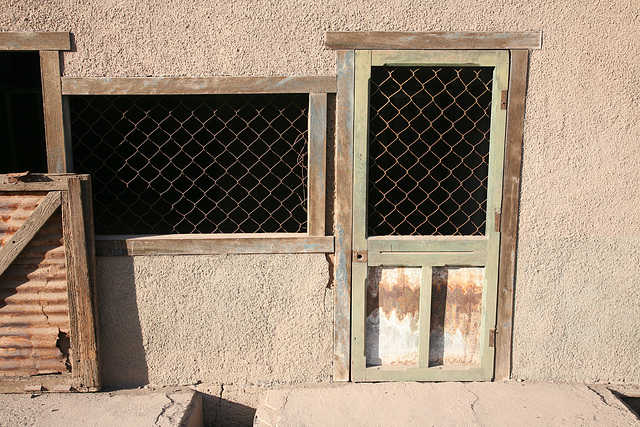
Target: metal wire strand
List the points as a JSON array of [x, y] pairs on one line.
[[194, 163], [429, 150]]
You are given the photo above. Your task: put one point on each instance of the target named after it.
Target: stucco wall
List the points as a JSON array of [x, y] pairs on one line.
[[576, 310], [226, 319]]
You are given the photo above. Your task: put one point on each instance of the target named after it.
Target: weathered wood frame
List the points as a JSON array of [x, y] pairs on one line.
[[48, 46], [73, 194], [346, 43], [314, 241]]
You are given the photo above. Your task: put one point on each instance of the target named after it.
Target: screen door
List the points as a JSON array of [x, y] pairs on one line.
[[429, 132]]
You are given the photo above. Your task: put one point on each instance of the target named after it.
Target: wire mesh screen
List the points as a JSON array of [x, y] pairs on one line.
[[428, 150], [194, 163]]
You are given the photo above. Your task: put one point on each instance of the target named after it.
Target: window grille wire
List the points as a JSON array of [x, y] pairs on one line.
[[428, 150], [194, 163]]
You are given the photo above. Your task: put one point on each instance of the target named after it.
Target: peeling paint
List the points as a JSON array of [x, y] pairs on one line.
[[392, 323], [456, 310]]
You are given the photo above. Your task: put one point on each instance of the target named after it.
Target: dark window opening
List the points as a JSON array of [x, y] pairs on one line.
[[194, 163], [22, 138], [429, 150]]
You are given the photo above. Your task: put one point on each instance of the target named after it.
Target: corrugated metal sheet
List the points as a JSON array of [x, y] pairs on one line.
[[392, 324], [456, 311], [34, 309]]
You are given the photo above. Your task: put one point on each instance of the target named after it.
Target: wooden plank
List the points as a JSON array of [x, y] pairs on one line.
[[35, 41], [427, 243], [435, 58], [52, 105], [84, 357], [87, 209], [35, 182], [37, 383], [207, 244], [196, 85], [510, 206], [436, 373], [343, 224], [413, 259], [432, 40], [28, 229], [425, 316], [317, 163], [358, 321]]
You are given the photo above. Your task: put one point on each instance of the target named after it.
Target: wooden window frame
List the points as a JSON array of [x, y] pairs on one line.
[[314, 240], [346, 43], [48, 46]]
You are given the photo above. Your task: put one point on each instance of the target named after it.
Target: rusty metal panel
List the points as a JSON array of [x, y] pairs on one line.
[[456, 310], [34, 309], [392, 323]]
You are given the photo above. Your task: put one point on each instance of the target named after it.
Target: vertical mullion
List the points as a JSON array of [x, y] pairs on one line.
[[52, 106], [360, 148], [317, 171], [494, 197], [360, 269], [425, 316], [343, 216]]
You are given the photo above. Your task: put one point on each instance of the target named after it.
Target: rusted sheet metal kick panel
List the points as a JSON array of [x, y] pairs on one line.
[[392, 322], [34, 313]]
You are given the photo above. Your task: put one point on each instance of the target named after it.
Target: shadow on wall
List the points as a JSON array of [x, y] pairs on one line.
[[122, 356]]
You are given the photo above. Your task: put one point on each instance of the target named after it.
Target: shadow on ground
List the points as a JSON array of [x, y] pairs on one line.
[[221, 412]]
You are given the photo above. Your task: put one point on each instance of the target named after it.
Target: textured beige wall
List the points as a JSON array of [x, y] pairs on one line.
[[225, 319], [576, 312]]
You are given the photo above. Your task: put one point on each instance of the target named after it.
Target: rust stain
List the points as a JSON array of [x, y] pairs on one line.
[[392, 324], [456, 310], [34, 307]]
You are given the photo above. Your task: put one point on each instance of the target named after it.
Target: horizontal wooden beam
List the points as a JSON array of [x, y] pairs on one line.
[[196, 85], [37, 182], [208, 244], [432, 40], [35, 41]]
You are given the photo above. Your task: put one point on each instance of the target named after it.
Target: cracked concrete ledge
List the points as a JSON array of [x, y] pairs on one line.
[[444, 404], [165, 407]]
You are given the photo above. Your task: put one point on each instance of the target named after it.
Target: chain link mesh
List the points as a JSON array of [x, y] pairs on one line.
[[428, 150], [194, 163]]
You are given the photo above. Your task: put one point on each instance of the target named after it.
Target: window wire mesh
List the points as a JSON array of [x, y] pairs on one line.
[[428, 150], [194, 163]]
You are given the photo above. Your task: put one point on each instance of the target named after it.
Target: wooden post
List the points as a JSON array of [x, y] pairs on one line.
[[509, 217], [52, 105], [343, 212]]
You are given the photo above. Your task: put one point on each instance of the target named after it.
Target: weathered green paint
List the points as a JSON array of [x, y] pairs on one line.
[[425, 316], [427, 251]]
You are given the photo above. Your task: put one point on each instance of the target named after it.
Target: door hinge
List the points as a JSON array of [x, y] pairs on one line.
[[492, 337], [497, 219], [503, 100], [360, 256]]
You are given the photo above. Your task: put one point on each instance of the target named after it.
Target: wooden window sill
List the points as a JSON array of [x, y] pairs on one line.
[[209, 244]]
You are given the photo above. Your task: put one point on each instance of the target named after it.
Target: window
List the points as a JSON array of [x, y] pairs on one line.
[[194, 163]]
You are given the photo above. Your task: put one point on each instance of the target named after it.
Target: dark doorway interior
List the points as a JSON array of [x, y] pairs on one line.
[[22, 139]]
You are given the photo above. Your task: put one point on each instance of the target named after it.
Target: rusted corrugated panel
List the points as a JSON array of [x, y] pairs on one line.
[[392, 327], [34, 309], [456, 309]]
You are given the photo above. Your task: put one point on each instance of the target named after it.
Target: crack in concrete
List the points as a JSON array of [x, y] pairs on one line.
[[473, 404], [164, 408], [604, 399]]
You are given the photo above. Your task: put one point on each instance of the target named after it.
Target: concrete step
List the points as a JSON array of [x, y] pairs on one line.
[[444, 404], [168, 407]]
